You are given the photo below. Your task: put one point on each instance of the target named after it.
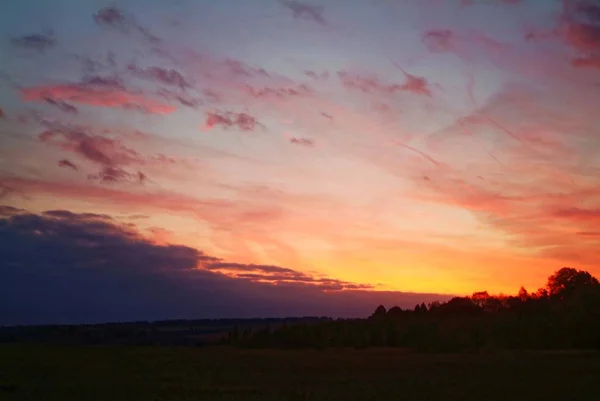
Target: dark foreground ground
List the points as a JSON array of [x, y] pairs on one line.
[[38, 372]]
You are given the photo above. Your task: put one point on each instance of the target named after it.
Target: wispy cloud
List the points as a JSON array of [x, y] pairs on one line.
[[161, 75], [97, 149], [371, 84], [115, 18], [307, 142], [306, 11], [36, 41], [109, 153], [582, 32], [61, 105], [67, 163], [242, 121], [280, 275], [95, 92], [117, 174]]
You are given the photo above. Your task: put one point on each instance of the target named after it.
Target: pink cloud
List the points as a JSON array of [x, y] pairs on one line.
[[366, 84], [116, 160], [587, 62], [97, 149], [439, 40], [94, 95], [279, 92], [307, 142], [583, 37], [242, 121]]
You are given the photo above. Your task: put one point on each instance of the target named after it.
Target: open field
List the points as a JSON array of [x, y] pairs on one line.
[[44, 372]]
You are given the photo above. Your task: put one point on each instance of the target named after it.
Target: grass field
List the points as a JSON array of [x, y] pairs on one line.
[[110, 373]]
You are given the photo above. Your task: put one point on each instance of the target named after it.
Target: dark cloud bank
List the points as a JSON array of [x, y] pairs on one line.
[[61, 267]]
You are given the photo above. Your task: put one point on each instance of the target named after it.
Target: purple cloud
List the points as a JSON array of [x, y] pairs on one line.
[[36, 41], [242, 121], [54, 258], [68, 164], [113, 17], [62, 105], [305, 10], [161, 75]]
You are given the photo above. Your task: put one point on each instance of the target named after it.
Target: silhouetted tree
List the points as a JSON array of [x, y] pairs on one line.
[[379, 313], [565, 314], [567, 281]]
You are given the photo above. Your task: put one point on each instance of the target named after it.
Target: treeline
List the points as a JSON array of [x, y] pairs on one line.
[[565, 314], [164, 332]]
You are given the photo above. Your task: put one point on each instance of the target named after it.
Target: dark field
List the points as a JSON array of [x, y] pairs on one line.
[[37, 372]]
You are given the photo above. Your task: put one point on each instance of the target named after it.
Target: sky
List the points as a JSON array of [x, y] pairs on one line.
[[176, 159]]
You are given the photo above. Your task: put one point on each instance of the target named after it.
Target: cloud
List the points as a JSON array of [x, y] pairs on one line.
[[579, 25], [62, 105], [583, 37], [307, 142], [279, 93], [242, 121], [110, 153], [64, 267], [161, 75], [327, 116], [589, 10], [415, 84], [279, 275], [98, 149], [104, 82], [305, 10], [68, 164], [114, 18], [36, 41], [589, 234], [591, 216], [366, 84], [7, 211], [586, 62], [97, 92], [439, 40], [220, 213], [237, 82], [312, 74], [489, 2], [116, 174], [241, 69], [5, 190], [181, 98]]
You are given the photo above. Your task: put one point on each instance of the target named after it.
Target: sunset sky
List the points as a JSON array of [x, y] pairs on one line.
[[279, 157]]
